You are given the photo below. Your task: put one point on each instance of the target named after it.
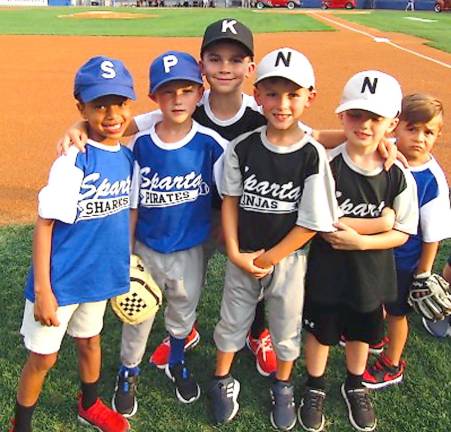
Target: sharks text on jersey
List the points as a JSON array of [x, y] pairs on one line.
[[104, 199]]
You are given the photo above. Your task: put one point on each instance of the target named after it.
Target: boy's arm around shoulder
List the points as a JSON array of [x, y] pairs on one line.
[[317, 211]]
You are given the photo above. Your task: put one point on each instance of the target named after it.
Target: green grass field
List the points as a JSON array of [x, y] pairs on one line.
[[437, 28], [169, 22], [420, 404]]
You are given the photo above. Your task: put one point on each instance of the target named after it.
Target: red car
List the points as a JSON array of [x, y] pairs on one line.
[[442, 5], [290, 4], [338, 4]]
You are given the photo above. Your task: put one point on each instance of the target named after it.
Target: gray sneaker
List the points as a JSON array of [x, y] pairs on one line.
[[124, 398], [223, 395], [360, 409], [283, 413], [310, 411]]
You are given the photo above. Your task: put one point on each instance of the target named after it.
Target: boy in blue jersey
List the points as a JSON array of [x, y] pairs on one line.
[[81, 249], [178, 162], [420, 125]]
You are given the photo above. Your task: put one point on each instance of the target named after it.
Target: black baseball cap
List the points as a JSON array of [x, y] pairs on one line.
[[228, 29]]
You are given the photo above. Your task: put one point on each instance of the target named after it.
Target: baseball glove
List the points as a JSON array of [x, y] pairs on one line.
[[144, 298], [430, 296]]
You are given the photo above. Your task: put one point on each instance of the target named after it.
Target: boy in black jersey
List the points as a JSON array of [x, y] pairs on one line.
[[345, 288], [278, 191]]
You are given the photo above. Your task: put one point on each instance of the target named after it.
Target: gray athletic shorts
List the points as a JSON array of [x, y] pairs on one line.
[[283, 291], [180, 276]]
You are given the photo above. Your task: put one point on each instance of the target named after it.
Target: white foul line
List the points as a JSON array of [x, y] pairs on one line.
[[383, 40]]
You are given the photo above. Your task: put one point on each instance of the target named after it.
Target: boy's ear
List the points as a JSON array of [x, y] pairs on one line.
[[311, 98], [152, 97], [81, 109], [393, 123], [250, 69], [257, 96], [201, 67]]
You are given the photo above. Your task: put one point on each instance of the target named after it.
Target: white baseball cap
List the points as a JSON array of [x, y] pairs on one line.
[[286, 63], [372, 91]]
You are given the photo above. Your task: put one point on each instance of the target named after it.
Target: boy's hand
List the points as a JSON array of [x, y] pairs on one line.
[[346, 238], [389, 216], [389, 152], [45, 306], [77, 135], [246, 261]]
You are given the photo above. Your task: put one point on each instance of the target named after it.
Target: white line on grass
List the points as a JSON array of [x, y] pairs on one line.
[[382, 40]]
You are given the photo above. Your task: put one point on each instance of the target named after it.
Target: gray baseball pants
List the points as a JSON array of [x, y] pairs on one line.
[[179, 275], [283, 291]]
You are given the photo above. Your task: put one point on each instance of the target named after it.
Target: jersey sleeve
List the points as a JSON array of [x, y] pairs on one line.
[[435, 213], [148, 120], [59, 198], [136, 184], [405, 204], [318, 209], [232, 181]]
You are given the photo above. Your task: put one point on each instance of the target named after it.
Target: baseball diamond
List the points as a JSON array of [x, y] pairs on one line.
[[37, 78]]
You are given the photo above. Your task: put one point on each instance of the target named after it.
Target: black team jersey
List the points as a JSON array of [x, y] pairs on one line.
[[361, 279], [279, 187]]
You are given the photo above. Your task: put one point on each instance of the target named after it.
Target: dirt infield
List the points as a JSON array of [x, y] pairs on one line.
[[37, 105]]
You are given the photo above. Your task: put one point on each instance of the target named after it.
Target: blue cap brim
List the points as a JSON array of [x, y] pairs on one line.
[[91, 93], [153, 89]]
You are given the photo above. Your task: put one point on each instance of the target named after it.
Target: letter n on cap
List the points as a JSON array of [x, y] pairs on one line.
[[371, 85], [282, 58]]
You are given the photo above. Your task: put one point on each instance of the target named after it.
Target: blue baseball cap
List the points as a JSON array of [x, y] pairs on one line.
[[174, 66], [102, 76]]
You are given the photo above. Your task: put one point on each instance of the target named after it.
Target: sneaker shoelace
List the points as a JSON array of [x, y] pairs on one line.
[[361, 398], [283, 399], [314, 400], [265, 345]]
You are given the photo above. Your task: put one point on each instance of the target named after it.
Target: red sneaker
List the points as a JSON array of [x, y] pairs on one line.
[[160, 356], [102, 418], [382, 373], [376, 348], [265, 357]]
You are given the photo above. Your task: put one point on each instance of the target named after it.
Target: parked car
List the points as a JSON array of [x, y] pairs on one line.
[[338, 4], [442, 5], [290, 4]]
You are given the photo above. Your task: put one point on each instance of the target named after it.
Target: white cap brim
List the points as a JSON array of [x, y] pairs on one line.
[[366, 105]]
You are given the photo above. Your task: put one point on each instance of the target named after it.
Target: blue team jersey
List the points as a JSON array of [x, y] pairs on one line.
[[88, 196], [172, 187], [435, 214]]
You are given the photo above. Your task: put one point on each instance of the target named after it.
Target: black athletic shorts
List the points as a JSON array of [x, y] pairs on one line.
[[329, 322]]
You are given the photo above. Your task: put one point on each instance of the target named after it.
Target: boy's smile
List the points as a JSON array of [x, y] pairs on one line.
[[415, 141], [108, 118], [225, 66], [364, 129]]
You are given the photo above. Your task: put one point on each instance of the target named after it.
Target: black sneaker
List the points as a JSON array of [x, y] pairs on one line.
[[124, 398], [223, 395], [283, 413], [360, 409], [310, 411], [186, 388]]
